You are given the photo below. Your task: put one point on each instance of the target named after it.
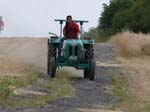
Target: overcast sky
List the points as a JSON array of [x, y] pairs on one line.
[[36, 17]]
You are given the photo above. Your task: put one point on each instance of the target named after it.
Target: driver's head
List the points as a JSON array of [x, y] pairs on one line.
[[69, 18]]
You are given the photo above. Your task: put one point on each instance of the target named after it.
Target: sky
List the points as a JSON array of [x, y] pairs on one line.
[[35, 18]]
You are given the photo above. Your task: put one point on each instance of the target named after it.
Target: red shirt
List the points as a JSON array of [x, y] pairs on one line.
[[71, 31]]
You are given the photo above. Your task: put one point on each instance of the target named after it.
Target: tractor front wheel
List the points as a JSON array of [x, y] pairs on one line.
[[86, 73]]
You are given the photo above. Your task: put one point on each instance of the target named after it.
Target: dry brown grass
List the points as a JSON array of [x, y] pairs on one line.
[[139, 69], [21, 61], [133, 52], [138, 83], [130, 44]]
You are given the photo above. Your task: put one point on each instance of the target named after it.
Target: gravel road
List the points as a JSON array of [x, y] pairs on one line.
[[90, 96]]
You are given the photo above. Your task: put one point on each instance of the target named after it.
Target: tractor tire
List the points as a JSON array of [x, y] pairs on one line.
[[52, 67], [52, 50], [48, 57], [48, 64], [92, 70], [89, 54], [86, 73], [50, 53]]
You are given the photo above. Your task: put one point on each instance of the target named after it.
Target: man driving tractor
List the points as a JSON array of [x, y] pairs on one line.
[[71, 50], [71, 29]]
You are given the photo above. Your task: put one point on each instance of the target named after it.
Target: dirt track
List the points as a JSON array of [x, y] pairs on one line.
[[90, 96]]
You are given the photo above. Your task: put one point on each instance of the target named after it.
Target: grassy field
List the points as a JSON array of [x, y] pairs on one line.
[[22, 64], [133, 85]]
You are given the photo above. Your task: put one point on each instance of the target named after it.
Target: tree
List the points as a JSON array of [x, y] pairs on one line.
[[113, 17], [91, 33], [140, 19], [122, 15]]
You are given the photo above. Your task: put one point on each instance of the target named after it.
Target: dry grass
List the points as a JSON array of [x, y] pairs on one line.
[[130, 44], [19, 60], [138, 88], [139, 69], [133, 52]]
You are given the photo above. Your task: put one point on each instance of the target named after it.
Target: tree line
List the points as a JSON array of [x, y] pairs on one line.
[[120, 16]]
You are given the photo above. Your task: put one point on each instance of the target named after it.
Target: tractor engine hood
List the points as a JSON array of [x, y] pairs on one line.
[[73, 42], [73, 49]]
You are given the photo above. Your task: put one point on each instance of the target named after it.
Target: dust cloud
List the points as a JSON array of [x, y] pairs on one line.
[[15, 53]]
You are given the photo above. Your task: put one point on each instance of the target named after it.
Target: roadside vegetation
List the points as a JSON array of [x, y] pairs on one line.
[[56, 88], [126, 25], [132, 85], [15, 76], [120, 16], [10, 82], [21, 67]]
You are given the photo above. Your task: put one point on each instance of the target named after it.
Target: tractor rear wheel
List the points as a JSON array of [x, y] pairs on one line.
[[48, 61], [50, 53], [52, 67], [92, 70]]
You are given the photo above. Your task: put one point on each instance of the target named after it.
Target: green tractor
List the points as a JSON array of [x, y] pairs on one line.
[[78, 53]]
